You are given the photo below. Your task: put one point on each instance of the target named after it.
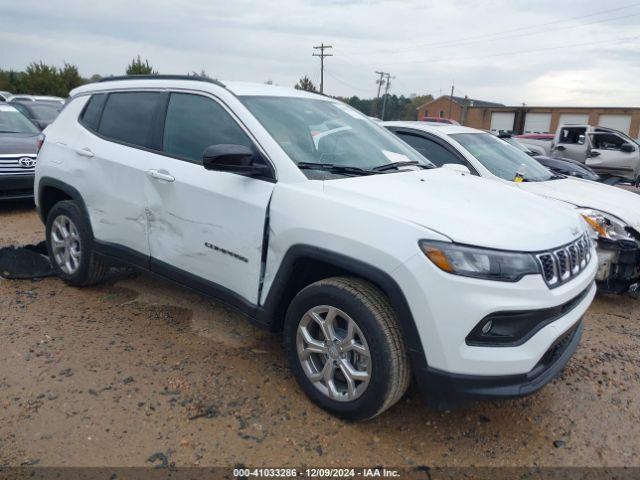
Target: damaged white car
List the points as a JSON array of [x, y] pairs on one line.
[[613, 214]]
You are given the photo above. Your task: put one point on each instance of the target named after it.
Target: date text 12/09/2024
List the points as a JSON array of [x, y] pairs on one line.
[[377, 472]]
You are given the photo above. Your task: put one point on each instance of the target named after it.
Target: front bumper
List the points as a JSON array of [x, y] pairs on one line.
[[14, 187], [618, 265], [443, 390], [446, 308]]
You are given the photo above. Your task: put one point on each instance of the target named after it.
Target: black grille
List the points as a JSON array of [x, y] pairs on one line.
[[548, 267], [562, 264]]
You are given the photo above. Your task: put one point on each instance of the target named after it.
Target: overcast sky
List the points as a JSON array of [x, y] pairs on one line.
[[581, 52]]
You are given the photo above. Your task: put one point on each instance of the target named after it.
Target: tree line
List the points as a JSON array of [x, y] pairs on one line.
[[42, 79]]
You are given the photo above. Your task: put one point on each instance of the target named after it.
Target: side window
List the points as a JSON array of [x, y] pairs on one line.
[[195, 122], [435, 153], [129, 117], [575, 136], [91, 114], [606, 141]]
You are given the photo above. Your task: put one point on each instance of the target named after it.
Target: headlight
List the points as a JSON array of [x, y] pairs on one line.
[[479, 262], [604, 225]]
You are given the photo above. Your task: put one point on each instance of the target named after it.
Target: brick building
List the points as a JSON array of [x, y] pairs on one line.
[[523, 119]]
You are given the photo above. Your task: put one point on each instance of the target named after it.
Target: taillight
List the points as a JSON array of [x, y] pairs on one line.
[[39, 142]]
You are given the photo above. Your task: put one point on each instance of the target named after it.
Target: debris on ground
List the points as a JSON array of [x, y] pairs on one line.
[[27, 261]]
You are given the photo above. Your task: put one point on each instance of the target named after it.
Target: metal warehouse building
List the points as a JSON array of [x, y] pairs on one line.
[[523, 119]]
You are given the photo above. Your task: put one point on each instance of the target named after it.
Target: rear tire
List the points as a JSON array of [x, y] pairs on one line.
[[363, 368], [70, 246]]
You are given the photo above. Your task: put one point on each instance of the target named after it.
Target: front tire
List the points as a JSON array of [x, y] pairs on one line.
[[70, 246], [345, 348]]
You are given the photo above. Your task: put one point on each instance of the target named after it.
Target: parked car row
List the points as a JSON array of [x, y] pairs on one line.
[[10, 97], [341, 233]]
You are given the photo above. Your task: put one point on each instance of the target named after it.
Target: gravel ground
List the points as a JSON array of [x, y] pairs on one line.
[[138, 371]]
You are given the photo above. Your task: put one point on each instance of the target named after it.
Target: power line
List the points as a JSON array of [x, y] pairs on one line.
[[519, 52], [322, 56], [350, 85], [508, 33]]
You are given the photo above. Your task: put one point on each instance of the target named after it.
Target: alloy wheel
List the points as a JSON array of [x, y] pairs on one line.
[[65, 244], [333, 353]]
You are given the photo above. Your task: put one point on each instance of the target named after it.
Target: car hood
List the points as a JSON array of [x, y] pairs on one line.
[[465, 208], [618, 202], [17, 143]]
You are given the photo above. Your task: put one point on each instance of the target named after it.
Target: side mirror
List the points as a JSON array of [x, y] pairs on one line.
[[627, 148], [234, 159], [456, 167]]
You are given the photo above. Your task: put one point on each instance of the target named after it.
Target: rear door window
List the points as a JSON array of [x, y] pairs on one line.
[[575, 136], [194, 122], [130, 117]]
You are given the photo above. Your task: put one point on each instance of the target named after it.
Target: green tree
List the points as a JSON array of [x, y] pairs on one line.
[[305, 83], [70, 78], [11, 81], [43, 79], [138, 67], [410, 111]]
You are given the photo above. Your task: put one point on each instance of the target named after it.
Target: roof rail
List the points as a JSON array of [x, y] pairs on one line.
[[163, 77]]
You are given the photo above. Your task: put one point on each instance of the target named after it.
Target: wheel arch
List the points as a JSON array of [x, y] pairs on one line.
[[303, 265], [51, 191]]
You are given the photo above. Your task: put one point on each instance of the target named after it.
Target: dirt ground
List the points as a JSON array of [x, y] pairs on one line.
[[113, 375]]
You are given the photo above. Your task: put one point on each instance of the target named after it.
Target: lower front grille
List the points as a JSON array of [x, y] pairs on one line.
[[558, 347]]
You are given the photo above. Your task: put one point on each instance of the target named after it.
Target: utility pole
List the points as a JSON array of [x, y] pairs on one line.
[[322, 48], [386, 93], [451, 101], [380, 82]]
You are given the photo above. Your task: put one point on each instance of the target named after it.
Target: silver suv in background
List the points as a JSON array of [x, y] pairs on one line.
[[608, 152]]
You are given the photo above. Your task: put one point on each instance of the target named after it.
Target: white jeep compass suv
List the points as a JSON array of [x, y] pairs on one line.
[[312, 220]]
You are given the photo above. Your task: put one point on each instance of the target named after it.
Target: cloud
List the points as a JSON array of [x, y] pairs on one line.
[[503, 50]]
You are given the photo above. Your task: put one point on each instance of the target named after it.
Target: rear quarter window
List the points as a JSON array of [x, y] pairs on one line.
[[90, 116], [130, 117]]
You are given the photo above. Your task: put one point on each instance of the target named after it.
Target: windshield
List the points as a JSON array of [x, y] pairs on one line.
[[516, 143], [12, 121], [318, 131], [502, 159]]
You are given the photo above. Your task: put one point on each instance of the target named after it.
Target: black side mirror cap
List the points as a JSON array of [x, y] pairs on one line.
[[235, 159], [627, 148]]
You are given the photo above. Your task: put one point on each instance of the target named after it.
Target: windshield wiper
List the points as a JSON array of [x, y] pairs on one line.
[[333, 168], [395, 165]]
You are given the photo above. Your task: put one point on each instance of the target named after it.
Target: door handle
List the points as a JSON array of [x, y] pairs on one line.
[[84, 152], [593, 154], [560, 148], [161, 175]]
